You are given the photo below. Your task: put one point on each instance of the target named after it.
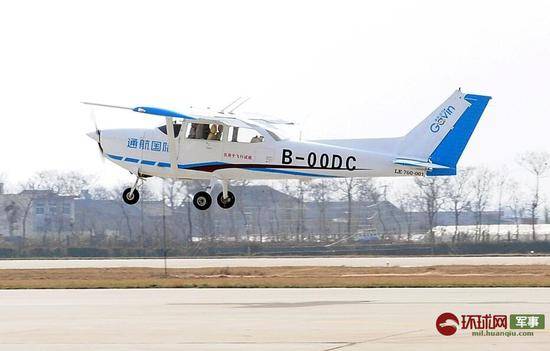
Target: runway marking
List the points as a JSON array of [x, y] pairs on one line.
[[335, 303], [373, 339], [273, 304]]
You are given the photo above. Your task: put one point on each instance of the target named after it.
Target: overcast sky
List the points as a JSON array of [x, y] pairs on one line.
[[344, 69]]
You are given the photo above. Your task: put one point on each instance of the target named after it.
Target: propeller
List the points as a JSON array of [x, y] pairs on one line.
[[97, 136]]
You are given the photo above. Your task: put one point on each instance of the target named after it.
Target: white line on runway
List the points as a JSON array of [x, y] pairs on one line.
[[276, 262]]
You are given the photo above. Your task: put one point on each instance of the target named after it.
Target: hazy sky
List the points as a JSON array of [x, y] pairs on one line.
[[345, 69]]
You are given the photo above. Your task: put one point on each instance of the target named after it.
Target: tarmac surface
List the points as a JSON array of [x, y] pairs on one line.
[[276, 262], [260, 319]]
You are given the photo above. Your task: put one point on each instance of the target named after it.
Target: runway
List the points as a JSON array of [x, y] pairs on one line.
[[277, 262], [259, 319]]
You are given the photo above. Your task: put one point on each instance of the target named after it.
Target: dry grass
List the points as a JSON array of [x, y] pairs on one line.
[[278, 277]]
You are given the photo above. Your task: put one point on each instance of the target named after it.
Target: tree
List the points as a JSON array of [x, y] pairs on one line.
[[125, 212], [456, 190], [295, 210], [29, 185], [2, 182], [99, 192], [538, 164], [274, 220], [430, 193], [12, 214], [300, 192], [289, 207], [502, 186], [319, 191], [349, 188], [369, 193], [241, 206], [175, 192], [391, 210], [408, 202], [482, 183], [178, 195], [515, 205], [62, 183]]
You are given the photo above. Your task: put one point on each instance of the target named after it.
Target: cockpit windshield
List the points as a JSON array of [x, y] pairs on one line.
[[177, 129]]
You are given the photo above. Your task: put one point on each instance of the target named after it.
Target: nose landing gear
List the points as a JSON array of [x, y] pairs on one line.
[[131, 195]]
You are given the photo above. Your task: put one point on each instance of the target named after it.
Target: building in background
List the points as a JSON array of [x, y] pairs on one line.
[[261, 214], [35, 212]]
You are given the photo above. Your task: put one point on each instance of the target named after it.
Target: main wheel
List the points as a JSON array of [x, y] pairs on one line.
[[129, 197], [226, 203], [202, 200]]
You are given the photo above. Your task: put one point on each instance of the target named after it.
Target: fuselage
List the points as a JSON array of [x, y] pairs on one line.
[[147, 152]]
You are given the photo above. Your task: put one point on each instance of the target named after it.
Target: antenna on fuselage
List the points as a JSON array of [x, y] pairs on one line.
[[239, 105], [222, 111]]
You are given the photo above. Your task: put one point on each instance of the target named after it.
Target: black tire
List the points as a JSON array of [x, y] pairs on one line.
[[130, 199], [226, 203], [202, 200]]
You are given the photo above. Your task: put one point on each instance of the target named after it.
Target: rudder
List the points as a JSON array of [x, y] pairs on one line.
[[450, 149]]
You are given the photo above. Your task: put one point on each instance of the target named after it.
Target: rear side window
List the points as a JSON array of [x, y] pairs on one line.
[[244, 135]]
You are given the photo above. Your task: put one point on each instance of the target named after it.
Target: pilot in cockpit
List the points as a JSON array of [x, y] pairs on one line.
[[213, 132], [257, 139], [193, 131]]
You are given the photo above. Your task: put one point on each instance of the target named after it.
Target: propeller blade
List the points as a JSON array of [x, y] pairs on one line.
[[98, 133]]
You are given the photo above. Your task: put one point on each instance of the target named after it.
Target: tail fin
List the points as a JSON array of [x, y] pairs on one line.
[[441, 138]]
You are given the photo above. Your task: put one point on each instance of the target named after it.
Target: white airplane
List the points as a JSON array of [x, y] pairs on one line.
[[223, 146]]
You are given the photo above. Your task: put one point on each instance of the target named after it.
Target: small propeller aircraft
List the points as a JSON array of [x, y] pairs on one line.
[[223, 146]]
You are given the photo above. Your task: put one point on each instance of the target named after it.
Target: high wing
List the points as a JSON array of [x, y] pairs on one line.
[[205, 117], [147, 110]]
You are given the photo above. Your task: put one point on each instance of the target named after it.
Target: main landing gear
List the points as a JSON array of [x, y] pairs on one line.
[[202, 200]]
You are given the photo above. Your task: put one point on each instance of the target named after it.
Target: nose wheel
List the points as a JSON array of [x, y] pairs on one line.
[[202, 200], [130, 197]]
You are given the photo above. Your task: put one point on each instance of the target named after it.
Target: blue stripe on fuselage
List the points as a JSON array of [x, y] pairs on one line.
[[203, 164], [200, 164], [115, 157], [284, 171]]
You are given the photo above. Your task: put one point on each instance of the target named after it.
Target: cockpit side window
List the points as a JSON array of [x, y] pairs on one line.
[[177, 129], [205, 131], [244, 135]]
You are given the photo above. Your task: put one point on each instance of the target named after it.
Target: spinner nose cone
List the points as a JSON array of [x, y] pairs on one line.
[[93, 135]]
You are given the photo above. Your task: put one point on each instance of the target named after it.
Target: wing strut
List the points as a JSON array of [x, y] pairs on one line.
[[172, 145]]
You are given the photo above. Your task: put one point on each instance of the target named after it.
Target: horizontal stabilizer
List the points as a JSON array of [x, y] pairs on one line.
[[417, 163]]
